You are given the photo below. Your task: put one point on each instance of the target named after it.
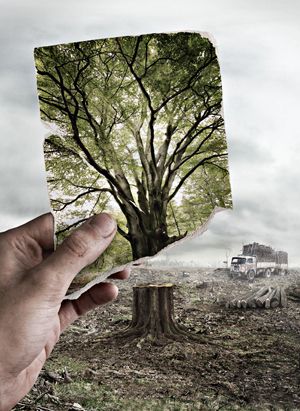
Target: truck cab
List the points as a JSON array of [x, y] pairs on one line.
[[258, 259], [243, 266]]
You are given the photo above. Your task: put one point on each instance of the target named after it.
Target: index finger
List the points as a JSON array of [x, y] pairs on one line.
[[40, 229]]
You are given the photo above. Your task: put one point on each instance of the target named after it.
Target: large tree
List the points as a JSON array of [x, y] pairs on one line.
[[136, 127]]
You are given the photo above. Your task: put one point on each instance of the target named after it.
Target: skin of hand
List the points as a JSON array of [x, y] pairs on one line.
[[34, 280]]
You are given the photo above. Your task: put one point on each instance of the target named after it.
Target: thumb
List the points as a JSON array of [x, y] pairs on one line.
[[80, 249]]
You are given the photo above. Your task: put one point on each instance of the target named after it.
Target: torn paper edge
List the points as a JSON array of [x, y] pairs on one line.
[[103, 276]]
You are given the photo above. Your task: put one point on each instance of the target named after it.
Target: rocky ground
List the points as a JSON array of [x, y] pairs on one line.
[[246, 360]]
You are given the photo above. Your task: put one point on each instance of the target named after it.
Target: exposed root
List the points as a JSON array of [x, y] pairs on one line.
[[153, 318]]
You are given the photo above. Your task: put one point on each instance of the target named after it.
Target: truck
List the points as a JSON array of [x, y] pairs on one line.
[[258, 260]]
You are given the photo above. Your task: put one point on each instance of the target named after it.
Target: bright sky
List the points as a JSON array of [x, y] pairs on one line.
[[258, 47]]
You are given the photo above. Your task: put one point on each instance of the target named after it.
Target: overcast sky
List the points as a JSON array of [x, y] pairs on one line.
[[258, 44]]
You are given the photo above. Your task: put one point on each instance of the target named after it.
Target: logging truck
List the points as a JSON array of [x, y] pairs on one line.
[[258, 260]]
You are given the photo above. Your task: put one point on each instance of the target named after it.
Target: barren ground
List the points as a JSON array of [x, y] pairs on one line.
[[249, 361]]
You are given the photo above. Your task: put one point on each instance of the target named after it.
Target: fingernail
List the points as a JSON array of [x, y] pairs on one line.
[[105, 224]]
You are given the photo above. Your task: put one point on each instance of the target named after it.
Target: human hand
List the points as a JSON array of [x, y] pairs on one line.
[[33, 282]]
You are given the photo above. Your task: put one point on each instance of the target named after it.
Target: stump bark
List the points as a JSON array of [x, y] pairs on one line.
[[153, 315]]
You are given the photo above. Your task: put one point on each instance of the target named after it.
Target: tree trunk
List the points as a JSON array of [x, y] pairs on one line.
[[153, 315], [146, 242], [147, 230], [147, 239]]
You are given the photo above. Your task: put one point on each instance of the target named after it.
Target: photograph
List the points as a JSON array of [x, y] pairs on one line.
[[137, 131]]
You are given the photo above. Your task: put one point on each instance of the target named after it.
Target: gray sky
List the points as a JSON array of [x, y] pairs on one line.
[[258, 45]]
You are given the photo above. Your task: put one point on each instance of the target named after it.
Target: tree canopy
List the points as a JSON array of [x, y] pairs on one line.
[[137, 130]]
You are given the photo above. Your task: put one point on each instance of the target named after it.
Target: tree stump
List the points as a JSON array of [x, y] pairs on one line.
[[153, 315]]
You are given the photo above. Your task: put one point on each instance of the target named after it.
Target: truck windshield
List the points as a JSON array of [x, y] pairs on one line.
[[238, 260]]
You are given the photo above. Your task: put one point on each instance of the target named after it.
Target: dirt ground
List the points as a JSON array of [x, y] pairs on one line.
[[249, 359]]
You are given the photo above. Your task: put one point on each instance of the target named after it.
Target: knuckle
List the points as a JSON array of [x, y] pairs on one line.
[[77, 244], [24, 248]]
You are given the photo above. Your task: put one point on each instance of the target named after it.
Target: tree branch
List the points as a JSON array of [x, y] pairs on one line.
[[191, 171], [146, 95], [63, 230], [123, 233], [188, 86], [91, 190]]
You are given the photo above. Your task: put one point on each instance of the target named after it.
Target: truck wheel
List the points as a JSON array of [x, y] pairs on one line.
[[283, 272], [251, 275], [268, 273]]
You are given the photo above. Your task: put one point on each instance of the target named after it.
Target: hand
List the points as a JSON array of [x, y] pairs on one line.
[[33, 283]]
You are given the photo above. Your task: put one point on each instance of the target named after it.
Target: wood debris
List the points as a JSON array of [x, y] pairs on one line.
[[265, 297], [293, 292]]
